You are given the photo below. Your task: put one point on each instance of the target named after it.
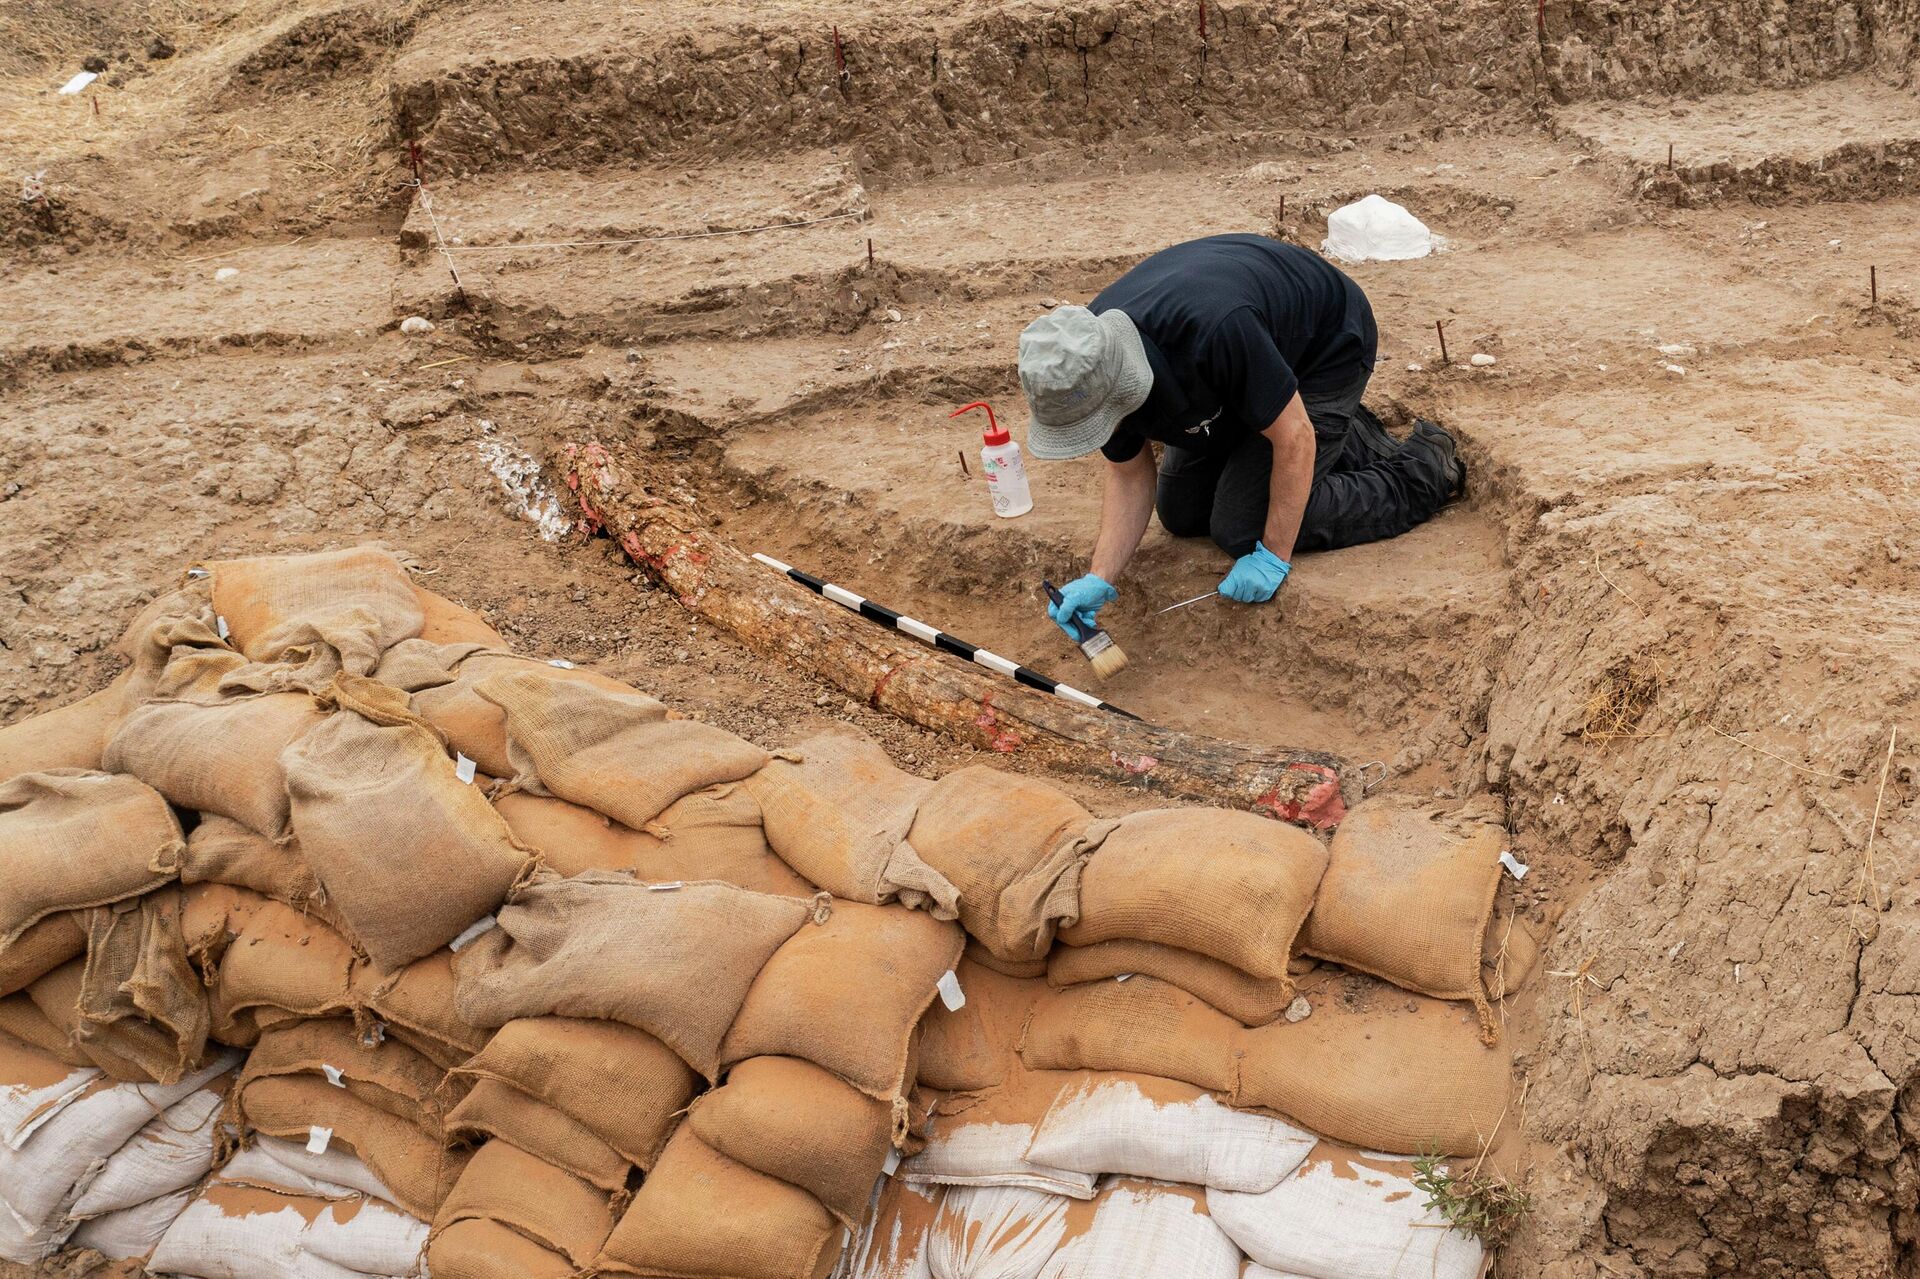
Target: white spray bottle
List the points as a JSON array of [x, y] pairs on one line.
[[1000, 462]]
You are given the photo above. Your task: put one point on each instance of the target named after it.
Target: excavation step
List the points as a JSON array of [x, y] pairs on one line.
[[873, 494], [1850, 139], [299, 294]]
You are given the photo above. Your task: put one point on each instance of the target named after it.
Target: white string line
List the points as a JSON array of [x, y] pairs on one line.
[[426, 202], [646, 239]]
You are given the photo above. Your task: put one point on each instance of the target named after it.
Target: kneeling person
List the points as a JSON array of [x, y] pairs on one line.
[[1246, 358]]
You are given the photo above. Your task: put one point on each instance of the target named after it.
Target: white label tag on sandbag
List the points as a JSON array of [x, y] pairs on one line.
[[950, 993], [375, 1035], [463, 768], [198, 573], [1122, 976], [318, 1139], [473, 930], [220, 625], [666, 887], [1515, 867], [333, 1075], [561, 662], [893, 1162]]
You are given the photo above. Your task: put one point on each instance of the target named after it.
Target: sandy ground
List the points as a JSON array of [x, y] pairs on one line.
[[1673, 625]]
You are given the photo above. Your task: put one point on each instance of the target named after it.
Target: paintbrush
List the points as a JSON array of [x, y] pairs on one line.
[[1107, 658]]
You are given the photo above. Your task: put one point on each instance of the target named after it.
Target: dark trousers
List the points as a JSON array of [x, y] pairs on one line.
[[1366, 484]]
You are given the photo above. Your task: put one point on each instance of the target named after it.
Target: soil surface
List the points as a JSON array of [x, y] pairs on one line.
[[1674, 625]]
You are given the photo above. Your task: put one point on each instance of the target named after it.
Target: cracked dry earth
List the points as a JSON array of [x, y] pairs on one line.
[[1675, 626]]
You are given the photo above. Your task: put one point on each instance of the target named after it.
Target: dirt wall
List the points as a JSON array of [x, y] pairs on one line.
[[944, 91]]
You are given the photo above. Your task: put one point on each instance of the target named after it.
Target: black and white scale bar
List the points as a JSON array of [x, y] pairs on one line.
[[940, 639]]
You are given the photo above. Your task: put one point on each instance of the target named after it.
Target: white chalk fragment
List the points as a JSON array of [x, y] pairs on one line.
[[1416, 368], [1299, 1010], [226, 275], [79, 82], [416, 324], [1515, 867], [485, 923], [1481, 360], [1675, 348], [1675, 370], [892, 316]]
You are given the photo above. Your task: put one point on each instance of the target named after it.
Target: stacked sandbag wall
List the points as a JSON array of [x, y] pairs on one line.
[[443, 954]]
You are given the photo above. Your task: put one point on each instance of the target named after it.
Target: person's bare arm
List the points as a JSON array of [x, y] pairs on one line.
[[1293, 452], [1126, 504]]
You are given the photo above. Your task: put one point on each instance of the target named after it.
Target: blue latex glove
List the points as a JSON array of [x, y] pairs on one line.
[[1080, 602], [1255, 576]]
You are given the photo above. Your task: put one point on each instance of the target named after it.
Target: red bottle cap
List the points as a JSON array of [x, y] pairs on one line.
[[995, 433]]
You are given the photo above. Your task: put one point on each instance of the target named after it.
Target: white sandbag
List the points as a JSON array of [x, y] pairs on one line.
[[253, 1167], [1375, 229], [131, 1232], [231, 1231], [894, 1243], [332, 1168], [995, 1232], [1146, 1228], [1347, 1215], [28, 1242], [173, 1151], [34, 1088], [1165, 1131], [989, 1154], [69, 1149]]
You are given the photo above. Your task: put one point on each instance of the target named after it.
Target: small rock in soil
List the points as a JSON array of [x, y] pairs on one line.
[[1299, 1009], [160, 47]]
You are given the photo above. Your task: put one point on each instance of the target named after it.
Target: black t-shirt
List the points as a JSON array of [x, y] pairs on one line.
[[1234, 325]]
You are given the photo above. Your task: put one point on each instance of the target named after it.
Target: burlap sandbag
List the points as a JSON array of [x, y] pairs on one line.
[[265, 959], [1251, 1001], [621, 1084], [385, 1073], [792, 1120], [489, 1250], [222, 851], [1141, 1026], [505, 1184], [1407, 895], [317, 614], [497, 1110], [407, 1159], [222, 757], [71, 736], [676, 963], [981, 1138], [1378, 1068], [618, 753], [974, 1047], [700, 1215], [1229, 885], [1508, 955], [140, 1002], [838, 812], [445, 682], [847, 995], [71, 839], [22, 1021], [41, 948], [1012, 847], [711, 834], [409, 854], [1005, 967], [417, 1006], [445, 622]]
